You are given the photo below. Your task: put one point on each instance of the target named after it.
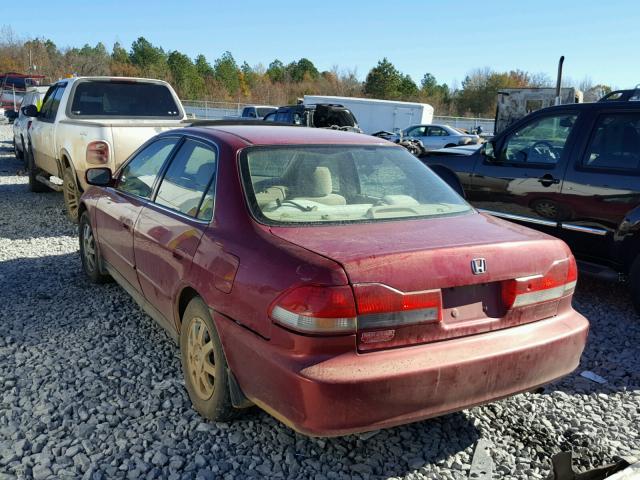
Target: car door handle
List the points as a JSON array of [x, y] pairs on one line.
[[126, 226], [177, 256], [548, 180]]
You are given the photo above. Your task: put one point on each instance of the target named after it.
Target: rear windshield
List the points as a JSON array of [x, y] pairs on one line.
[[123, 99], [337, 184]]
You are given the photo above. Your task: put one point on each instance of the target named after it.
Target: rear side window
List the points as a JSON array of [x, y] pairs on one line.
[[190, 175], [140, 174], [123, 99], [615, 144]]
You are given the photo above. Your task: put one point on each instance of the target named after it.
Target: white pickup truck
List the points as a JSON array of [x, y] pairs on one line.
[[86, 122]]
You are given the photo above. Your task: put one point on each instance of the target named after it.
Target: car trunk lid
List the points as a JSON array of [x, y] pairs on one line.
[[412, 257]]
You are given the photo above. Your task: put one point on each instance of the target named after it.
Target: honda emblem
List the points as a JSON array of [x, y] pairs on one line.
[[478, 266]]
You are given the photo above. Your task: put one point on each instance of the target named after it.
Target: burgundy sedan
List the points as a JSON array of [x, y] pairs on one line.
[[329, 278]]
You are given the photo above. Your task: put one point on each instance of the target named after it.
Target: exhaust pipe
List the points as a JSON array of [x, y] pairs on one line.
[[559, 80]]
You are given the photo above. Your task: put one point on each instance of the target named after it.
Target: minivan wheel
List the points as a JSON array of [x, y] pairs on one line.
[[89, 251], [204, 365], [634, 283], [71, 194]]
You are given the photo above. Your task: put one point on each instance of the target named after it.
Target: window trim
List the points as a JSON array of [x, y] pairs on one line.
[[165, 168], [579, 162]]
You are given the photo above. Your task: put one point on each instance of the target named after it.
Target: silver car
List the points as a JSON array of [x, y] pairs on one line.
[[22, 123], [434, 137]]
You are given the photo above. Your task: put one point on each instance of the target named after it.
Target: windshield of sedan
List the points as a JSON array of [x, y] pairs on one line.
[[337, 184]]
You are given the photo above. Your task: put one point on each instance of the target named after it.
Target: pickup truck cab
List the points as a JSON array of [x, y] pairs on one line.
[[572, 171], [94, 121]]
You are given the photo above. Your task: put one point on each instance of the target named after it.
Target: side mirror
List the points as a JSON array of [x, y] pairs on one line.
[[488, 151], [100, 177], [30, 111]]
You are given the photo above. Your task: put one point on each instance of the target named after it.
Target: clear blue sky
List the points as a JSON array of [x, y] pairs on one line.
[[598, 39]]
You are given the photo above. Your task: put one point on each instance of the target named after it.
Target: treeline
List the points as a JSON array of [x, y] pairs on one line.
[[278, 83]]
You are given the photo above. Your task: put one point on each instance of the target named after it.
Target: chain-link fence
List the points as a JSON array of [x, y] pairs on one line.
[[219, 110], [466, 123]]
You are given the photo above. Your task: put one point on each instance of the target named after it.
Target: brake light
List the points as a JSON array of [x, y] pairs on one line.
[[98, 152], [558, 282], [316, 309]]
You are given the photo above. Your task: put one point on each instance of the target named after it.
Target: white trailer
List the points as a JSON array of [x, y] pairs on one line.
[[376, 115]]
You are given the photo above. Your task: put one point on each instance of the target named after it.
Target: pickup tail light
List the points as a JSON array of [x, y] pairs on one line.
[[98, 153], [374, 309], [558, 282]]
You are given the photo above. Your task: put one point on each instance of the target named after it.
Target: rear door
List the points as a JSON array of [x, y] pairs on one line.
[[120, 207], [603, 186], [437, 137], [168, 230], [523, 179]]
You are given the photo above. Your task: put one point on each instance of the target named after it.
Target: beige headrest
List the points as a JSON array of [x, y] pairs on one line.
[[321, 184]]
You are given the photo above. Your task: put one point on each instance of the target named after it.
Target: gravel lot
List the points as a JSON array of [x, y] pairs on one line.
[[91, 388]]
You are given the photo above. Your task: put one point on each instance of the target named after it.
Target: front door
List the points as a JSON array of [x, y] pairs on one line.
[[42, 131], [119, 208], [168, 230], [523, 178], [603, 187]]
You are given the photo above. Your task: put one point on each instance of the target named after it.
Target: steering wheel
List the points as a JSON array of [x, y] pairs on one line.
[[544, 150]]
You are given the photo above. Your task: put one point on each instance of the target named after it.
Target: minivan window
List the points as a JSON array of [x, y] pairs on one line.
[[139, 175], [188, 178], [124, 98], [615, 143], [539, 142], [338, 184]]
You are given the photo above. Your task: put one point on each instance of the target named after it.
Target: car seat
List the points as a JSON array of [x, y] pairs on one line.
[[318, 187]]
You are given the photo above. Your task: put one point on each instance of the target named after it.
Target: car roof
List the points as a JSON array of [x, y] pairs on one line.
[[285, 135]]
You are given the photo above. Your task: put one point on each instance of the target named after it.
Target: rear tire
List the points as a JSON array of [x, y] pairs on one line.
[[450, 145], [89, 253], [204, 365], [71, 193], [32, 171], [634, 283]]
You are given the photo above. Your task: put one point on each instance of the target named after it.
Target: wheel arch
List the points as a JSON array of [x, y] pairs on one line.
[[450, 177]]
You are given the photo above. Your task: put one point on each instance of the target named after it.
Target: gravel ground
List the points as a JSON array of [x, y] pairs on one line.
[[91, 388]]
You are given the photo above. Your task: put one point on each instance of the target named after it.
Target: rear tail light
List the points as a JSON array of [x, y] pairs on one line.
[[558, 282], [334, 310], [382, 306], [315, 309], [98, 152]]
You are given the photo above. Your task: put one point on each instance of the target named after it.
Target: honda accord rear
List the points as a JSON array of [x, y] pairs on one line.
[[441, 307]]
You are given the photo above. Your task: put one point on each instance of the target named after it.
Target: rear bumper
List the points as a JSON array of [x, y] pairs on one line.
[[351, 392]]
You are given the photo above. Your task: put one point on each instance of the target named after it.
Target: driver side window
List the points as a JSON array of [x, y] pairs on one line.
[[139, 175], [540, 142]]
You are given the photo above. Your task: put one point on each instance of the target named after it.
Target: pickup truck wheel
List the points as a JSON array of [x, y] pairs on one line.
[[89, 253], [634, 283], [204, 365], [32, 171], [71, 194]]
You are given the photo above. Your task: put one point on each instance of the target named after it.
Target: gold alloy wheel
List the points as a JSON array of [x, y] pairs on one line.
[[200, 359], [89, 247], [71, 194]]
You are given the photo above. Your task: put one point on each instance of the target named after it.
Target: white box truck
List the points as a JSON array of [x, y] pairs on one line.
[[379, 115]]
